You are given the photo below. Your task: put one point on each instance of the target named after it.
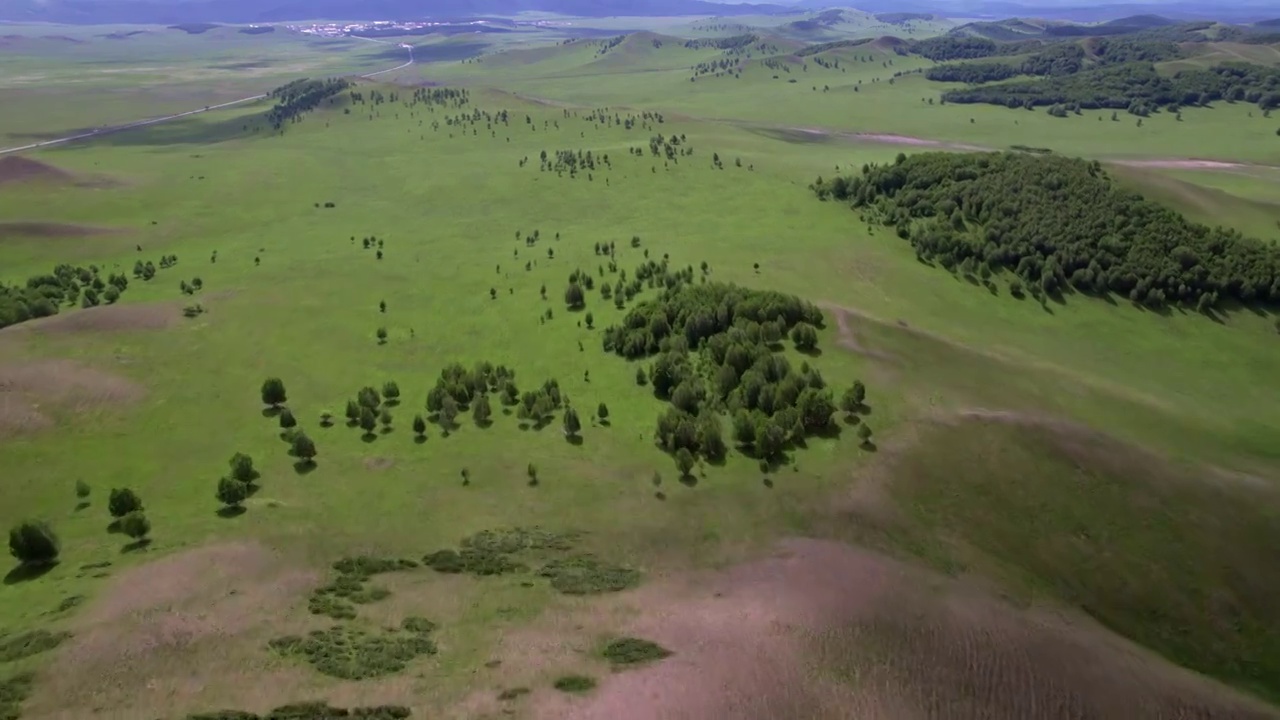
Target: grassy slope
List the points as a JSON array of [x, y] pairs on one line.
[[448, 209]]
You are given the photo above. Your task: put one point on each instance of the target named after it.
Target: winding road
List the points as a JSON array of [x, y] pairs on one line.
[[166, 118]]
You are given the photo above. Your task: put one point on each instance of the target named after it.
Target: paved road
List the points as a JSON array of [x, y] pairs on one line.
[[166, 118]]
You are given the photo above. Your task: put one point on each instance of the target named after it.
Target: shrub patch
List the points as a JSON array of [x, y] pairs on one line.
[[630, 651], [354, 654]]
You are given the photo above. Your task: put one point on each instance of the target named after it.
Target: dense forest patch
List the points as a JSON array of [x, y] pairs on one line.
[[1058, 223], [300, 96], [1133, 86]]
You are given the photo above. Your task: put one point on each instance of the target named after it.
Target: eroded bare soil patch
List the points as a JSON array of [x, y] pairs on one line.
[[29, 391]]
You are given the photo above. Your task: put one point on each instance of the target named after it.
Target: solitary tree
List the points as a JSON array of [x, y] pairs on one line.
[[34, 543], [641, 378], [242, 468], [684, 461], [123, 501], [382, 335], [419, 426], [368, 421], [481, 411], [273, 392], [287, 420], [602, 412], [590, 320], [82, 489], [135, 525], [232, 492], [382, 306], [572, 425], [533, 474], [304, 448], [851, 401]]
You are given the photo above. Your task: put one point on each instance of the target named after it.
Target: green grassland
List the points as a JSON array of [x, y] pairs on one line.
[[152, 70], [969, 394]]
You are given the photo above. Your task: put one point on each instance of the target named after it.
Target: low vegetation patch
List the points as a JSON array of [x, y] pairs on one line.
[[513, 693], [587, 575], [26, 644], [337, 599], [13, 692], [354, 654], [630, 651], [489, 552], [311, 711], [575, 684]]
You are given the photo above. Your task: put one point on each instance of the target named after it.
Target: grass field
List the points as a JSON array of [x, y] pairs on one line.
[[1064, 507]]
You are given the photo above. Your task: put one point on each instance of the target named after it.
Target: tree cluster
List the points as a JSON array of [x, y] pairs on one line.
[[1057, 223], [300, 96], [1061, 59], [714, 350], [43, 295]]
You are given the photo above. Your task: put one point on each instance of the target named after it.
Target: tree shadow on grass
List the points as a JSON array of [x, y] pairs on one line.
[[574, 440], [136, 546], [369, 437], [419, 439], [832, 431], [868, 445], [270, 412], [304, 467], [660, 495], [82, 505], [689, 481], [27, 572], [815, 352], [231, 511], [113, 527]]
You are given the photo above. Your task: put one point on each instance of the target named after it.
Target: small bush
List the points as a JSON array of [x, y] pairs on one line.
[[575, 684], [365, 566], [513, 693], [31, 642], [352, 654], [586, 575], [512, 540], [634, 651]]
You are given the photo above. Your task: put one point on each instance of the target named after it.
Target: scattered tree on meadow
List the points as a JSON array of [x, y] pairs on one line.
[[480, 411], [135, 525], [273, 392], [684, 461], [382, 335], [82, 489], [419, 426], [353, 411], [391, 391], [572, 425], [532, 472], [304, 448], [448, 410], [385, 418], [864, 434], [602, 412], [804, 336], [287, 420], [368, 421], [34, 543], [123, 501], [851, 401], [574, 297], [368, 397], [232, 492], [242, 468]]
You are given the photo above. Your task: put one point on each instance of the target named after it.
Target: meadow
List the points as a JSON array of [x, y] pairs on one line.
[[1059, 505]]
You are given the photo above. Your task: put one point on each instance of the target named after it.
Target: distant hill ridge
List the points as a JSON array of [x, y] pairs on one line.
[[246, 11]]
